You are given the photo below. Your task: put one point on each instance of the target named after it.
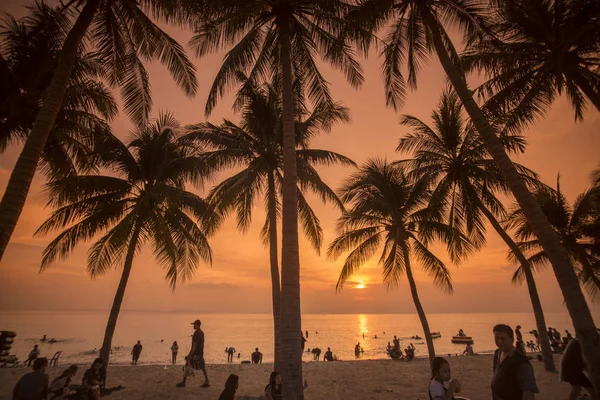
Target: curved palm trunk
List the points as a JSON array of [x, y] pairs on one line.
[[291, 318], [116, 307], [536, 304], [565, 275], [418, 306], [19, 183], [275, 283]]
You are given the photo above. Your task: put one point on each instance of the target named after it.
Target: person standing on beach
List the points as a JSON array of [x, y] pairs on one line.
[[196, 356], [513, 374], [136, 352], [174, 351], [573, 369], [33, 355], [230, 353], [303, 341], [34, 385], [520, 344]]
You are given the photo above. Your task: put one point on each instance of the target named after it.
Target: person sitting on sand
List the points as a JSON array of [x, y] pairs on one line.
[[136, 352], [34, 385], [469, 350], [60, 387], [461, 333], [93, 379], [440, 373], [409, 354], [328, 355], [33, 355], [573, 370], [274, 391], [231, 386], [389, 347], [256, 357]]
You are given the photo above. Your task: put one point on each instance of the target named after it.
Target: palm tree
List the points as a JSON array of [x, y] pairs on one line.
[[387, 209], [465, 181], [257, 145], [284, 36], [572, 224], [537, 50], [417, 28], [28, 56], [146, 202], [120, 33]]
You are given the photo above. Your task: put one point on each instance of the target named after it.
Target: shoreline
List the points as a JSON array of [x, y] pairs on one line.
[[357, 379]]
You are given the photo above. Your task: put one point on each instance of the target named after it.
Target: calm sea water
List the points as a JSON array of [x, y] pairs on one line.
[[79, 333]]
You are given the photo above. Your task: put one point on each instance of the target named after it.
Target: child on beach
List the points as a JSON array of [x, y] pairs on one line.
[[440, 373]]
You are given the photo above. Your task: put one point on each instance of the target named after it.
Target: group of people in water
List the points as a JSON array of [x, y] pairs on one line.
[[395, 351]]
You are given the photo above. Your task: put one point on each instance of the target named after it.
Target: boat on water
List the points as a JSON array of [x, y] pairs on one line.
[[462, 339], [435, 335]]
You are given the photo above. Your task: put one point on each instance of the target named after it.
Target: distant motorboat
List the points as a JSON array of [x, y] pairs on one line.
[[462, 340], [435, 335]]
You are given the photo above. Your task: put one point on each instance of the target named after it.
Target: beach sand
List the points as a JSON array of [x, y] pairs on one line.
[[379, 379]]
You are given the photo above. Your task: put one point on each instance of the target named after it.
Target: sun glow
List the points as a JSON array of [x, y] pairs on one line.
[[360, 285]]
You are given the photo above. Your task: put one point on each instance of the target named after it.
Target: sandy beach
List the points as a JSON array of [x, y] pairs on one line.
[[381, 379]]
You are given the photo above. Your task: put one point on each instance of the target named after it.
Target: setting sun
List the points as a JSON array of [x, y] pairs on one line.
[[360, 285]]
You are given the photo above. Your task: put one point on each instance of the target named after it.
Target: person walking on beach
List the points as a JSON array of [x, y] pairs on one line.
[[34, 385], [33, 355], [440, 373], [256, 357], [196, 355], [174, 351], [572, 370], [513, 374], [136, 352]]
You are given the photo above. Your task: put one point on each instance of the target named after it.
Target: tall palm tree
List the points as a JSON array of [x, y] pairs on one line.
[[285, 36], [572, 224], [465, 181], [256, 144], [28, 54], [144, 202], [536, 50], [387, 209], [417, 28], [121, 34]]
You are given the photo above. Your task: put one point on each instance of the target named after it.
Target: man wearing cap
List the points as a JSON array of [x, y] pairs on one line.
[[196, 357]]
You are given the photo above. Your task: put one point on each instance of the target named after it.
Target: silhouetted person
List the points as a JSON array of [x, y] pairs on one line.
[[33, 354], [196, 355], [328, 355], [94, 379], [572, 368], [231, 385], [136, 352], [34, 385], [256, 357], [174, 351]]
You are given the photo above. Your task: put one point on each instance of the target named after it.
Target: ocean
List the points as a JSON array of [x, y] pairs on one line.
[[79, 333]]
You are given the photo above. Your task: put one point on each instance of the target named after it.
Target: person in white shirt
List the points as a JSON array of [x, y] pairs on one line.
[[440, 373]]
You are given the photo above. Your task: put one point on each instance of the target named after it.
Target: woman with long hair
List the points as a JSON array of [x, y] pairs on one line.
[[231, 385]]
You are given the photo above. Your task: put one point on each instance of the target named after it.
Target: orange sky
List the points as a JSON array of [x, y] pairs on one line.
[[239, 279]]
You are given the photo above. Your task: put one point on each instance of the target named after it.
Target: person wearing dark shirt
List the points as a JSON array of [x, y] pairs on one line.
[[303, 340], [273, 390], [231, 386], [520, 345], [256, 357], [136, 352], [513, 377], [33, 354], [328, 355], [572, 367], [60, 387], [93, 379], [34, 385], [196, 356]]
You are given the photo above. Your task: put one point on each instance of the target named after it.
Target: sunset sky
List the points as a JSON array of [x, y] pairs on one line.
[[239, 279]]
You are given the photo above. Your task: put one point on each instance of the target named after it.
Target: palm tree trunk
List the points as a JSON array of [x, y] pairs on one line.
[[275, 283], [536, 304], [418, 306], [565, 275], [291, 318], [116, 307], [19, 183]]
